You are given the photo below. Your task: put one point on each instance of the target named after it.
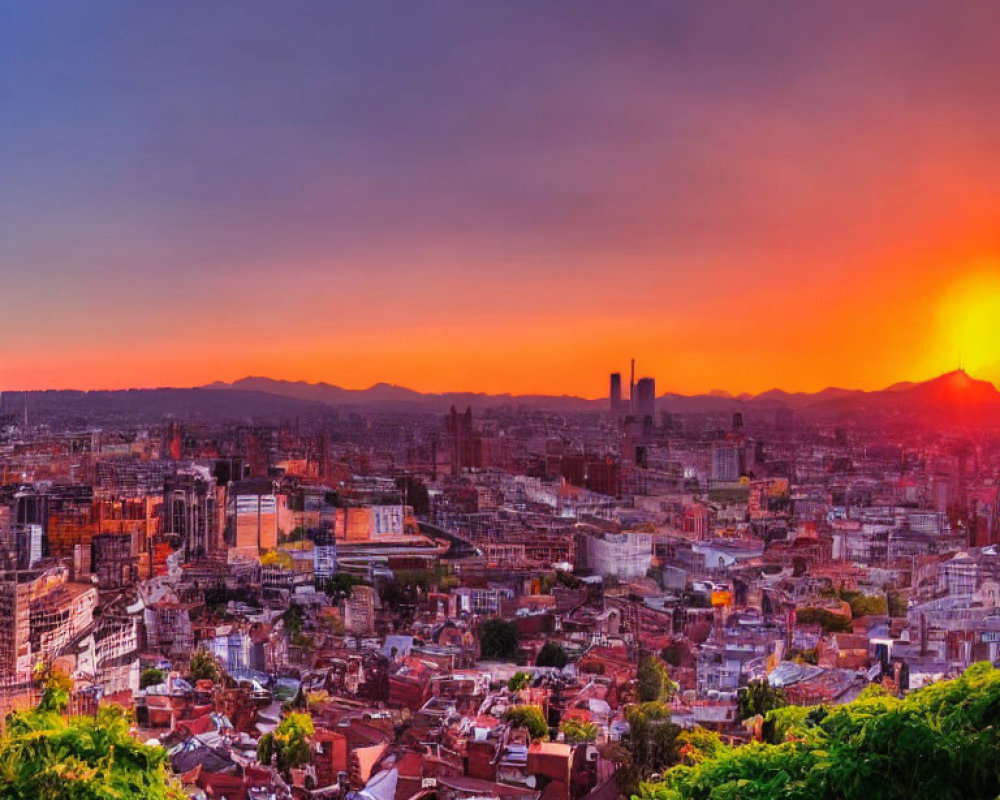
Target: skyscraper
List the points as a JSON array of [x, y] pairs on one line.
[[616, 392], [644, 404]]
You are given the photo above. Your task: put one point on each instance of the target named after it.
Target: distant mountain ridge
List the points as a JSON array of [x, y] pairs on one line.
[[953, 390], [952, 397]]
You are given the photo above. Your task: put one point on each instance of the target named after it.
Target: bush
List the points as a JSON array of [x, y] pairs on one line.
[[498, 640], [518, 681], [529, 717], [578, 732], [551, 655], [151, 677], [289, 743], [204, 667]]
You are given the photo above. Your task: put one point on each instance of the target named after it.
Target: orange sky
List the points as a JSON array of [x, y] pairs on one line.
[[506, 199]]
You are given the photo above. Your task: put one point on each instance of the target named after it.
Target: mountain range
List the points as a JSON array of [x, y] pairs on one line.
[[952, 392], [954, 396]]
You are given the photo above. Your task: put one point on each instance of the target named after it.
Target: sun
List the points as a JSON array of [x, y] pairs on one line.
[[968, 324]]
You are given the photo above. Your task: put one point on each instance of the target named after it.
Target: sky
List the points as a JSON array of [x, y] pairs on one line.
[[500, 196]]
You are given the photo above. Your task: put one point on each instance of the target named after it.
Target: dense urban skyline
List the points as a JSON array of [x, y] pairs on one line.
[[498, 198]]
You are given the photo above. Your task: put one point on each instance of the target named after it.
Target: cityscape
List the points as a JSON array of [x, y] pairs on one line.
[[500, 401]]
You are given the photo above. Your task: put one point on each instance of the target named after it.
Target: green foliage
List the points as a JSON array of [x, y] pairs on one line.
[[652, 744], [498, 640], [340, 584], [518, 681], [577, 731], [46, 755], [832, 623], [151, 677], [204, 667], [697, 745], [530, 717], [551, 655], [56, 688], [653, 683], [939, 743], [759, 697], [864, 605], [288, 743], [896, 604]]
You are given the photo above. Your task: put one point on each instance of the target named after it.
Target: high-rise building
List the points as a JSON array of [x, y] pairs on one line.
[[644, 404], [725, 462], [252, 517], [191, 511], [616, 392]]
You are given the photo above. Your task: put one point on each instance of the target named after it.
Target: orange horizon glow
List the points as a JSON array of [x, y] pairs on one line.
[[506, 198], [940, 324]]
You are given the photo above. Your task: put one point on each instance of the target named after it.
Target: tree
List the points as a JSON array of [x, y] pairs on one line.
[[151, 677], [759, 697], [652, 744], [552, 654], [831, 623], [204, 667], [518, 681], [653, 683], [498, 640], [577, 731], [937, 743], [340, 584], [698, 744], [288, 744], [44, 754], [529, 717]]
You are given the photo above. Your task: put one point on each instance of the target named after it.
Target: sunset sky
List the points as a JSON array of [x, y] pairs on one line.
[[499, 196]]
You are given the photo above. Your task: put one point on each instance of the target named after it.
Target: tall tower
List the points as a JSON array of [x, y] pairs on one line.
[[616, 392], [631, 389], [644, 404]]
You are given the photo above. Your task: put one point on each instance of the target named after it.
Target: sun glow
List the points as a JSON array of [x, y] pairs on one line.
[[968, 324]]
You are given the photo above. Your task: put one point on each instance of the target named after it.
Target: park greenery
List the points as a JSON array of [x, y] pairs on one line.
[[941, 742], [48, 755]]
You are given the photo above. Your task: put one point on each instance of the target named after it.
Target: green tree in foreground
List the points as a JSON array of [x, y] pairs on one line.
[[289, 742], [551, 655], [529, 717], [498, 639], [46, 755], [759, 697], [938, 743]]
